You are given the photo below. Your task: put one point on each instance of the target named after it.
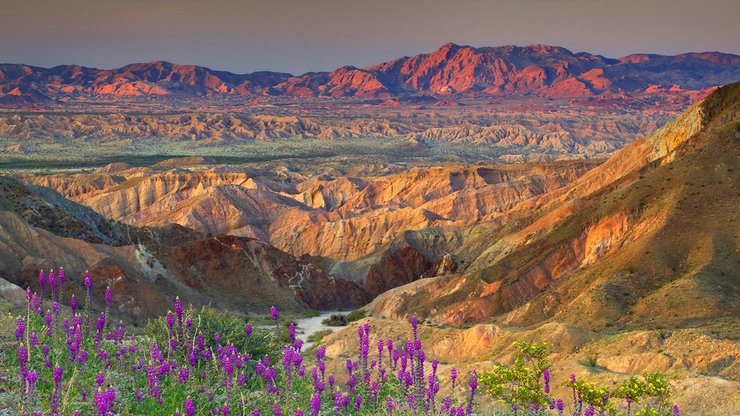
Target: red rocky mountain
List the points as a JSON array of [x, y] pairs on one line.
[[534, 70]]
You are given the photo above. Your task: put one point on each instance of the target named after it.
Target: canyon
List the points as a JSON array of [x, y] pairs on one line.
[[497, 194]]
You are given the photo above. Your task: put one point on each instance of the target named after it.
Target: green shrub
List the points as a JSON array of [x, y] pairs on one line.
[[519, 385], [355, 315], [335, 320]]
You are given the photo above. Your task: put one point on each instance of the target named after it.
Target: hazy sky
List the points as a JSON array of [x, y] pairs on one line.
[[309, 35]]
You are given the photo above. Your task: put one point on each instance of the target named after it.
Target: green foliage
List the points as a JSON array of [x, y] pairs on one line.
[[312, 313], [355, 315], [654, 391], [335, 320], [210, 322], [519, 385], [316, 337], [632, 389], [594, 395], [592, 360], [344, 320]]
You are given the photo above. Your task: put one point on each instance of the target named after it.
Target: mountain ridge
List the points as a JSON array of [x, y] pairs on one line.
[[533, 70]]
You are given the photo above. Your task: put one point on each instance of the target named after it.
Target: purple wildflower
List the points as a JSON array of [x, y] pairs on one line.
[[60, 273], [178, 309], [189, 407], [42, 282], [55, 395], [52, 280], [20, 329], [315, 404], [473, 388], [104, 401], [546, 376]]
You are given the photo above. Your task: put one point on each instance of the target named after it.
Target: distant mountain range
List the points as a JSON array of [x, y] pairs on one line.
[[535, 70]]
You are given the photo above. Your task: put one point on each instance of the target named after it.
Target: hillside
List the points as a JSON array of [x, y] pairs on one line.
[[622, 245], [147, 266]]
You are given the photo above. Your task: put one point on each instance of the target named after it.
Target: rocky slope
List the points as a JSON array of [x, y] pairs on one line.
[[621, 245], [633, 266], [147, 266], [353, 223]]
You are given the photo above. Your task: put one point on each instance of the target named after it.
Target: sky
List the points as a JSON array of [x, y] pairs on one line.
[[319, 35]]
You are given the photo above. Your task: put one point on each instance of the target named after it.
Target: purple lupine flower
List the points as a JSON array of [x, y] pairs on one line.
[[299, 412], [573, 386], [183, 376], [559, 406], [178, 309], [36, 301], [52, 280], [189, 407], [57, 378], [277, 410], [73, 304], [453, 377], [414, 325], [104, 401], [315, 404], [256, 412], [546, 376], [473, 388], [275, 314], [42, 282], [225, 410], [87, 281], [248, 330], [22, 356], [291, 331], [351, 383], [60, 273], [389, 404], [108, 299], [20, 329], [338, 400], [200, 342], [446, 405], [358, 402], [675, 410], [100, 379], [590, 411]]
